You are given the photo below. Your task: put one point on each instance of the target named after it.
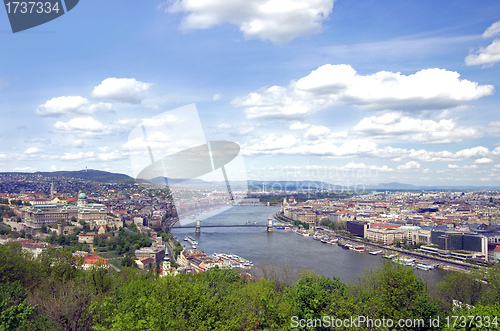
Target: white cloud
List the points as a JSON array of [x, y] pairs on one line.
[[473, 152], [78, 156], [494, 29], [125, 90], [429, 156], [32, 150], [332, 85], [79, 143], [82, 126], [297, 125], [315, 132], [485, 56], [465, 167], [216, 97], [483, 160], [404, 128], [353, 165], [409, 165], [275, 144], [276, 20], [490, 54], [71, 105], [111, 156]]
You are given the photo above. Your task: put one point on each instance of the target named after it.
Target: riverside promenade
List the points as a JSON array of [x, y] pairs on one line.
[[446, 264]]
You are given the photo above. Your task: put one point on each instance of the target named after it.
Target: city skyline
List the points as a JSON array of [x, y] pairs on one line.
[[342, 92]]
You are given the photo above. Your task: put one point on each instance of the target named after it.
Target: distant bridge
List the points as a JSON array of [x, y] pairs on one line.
[[269, 226], [223, 226]]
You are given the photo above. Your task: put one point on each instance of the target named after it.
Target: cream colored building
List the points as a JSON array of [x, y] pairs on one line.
[[38, 215], [384, 235]]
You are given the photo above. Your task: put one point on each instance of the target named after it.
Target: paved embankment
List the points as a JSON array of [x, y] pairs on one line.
[[451, 264]]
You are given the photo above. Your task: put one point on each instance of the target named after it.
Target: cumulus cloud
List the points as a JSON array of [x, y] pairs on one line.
[[83, 127], [276, 144], [315, 132], [490, 54], [485, 56], [465, 167], [395, 125], [332, 85], [78, 156], [124, 90], [112, 156], [32, 150], [473, 152], [332, 146], [409, 165], [275, 20], [493, 30], [71, 105], [483, 160], [353, 165]]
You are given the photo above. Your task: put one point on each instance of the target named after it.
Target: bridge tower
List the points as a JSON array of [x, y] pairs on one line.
[[269, 225], [198, 226]]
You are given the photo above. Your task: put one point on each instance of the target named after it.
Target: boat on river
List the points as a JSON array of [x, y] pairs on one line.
[[191, 241], [390, 256], [360, 249]]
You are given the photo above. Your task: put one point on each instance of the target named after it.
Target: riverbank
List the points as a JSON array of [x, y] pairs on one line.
[[446, 264]]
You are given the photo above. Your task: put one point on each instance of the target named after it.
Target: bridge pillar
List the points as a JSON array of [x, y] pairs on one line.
[[269, 225], [198, 226]]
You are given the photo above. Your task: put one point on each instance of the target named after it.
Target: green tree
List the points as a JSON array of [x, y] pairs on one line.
[[459, 286], [314, 296], [14, 310], [393, 292], [478, 318]]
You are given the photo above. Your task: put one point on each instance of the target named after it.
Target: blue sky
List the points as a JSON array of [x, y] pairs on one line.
[[348, 92]]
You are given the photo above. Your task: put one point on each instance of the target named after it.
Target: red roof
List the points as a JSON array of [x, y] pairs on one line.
[[147, 260], [497, 249], [94, 259]]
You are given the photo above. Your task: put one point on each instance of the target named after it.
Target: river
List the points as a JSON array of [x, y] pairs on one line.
[[283, 247]]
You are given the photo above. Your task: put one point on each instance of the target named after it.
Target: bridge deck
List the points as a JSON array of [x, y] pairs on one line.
[[222, 226]]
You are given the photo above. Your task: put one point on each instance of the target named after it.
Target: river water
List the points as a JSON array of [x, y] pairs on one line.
[[283, 247]]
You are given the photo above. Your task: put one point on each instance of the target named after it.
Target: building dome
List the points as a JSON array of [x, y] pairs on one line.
[[82, 196]]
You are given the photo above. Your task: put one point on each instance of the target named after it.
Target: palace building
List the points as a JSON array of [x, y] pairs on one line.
[[38, 215]]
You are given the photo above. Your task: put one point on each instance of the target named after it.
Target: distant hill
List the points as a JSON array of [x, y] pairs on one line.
[[392, 186], [409, 187], [93, 175], [292, 185]]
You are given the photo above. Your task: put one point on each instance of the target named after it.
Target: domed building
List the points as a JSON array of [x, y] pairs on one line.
[[38, 215], [82, 200]]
